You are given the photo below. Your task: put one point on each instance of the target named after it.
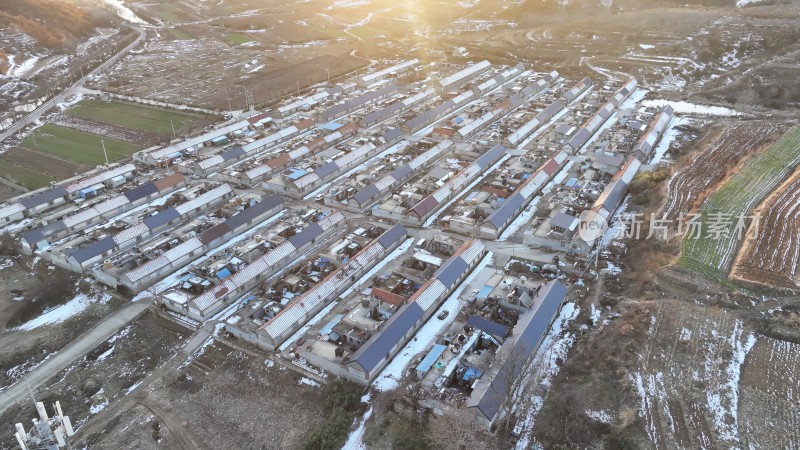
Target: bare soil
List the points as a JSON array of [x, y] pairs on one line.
[[257, 406], [41, 162]]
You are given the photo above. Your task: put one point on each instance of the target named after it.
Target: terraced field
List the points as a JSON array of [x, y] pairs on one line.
[[732, 144], [771, 253], [713, 251]]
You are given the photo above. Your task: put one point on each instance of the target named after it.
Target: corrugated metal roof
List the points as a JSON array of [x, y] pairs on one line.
[[331, 219], [450, 271], [10, 210], [140, 192], [131, 233], [369, 356], [248, 214], [392, 236], [204, 199], [100, 177], [277, 254], [488, 326], [161, 218], [305, 236], [44, 197], [429, 294], [97, 248]]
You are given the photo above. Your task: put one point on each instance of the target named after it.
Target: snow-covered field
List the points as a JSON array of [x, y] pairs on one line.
[[682, 107]]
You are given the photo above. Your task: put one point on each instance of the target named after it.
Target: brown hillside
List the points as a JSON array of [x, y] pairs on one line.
[[51, 23]]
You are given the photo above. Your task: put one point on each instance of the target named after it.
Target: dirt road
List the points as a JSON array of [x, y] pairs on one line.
[[61, 360]]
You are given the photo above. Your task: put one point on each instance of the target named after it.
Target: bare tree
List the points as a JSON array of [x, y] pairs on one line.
[[454, 430]]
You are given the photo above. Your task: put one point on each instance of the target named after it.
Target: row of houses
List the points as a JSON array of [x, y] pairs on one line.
[[275, 331], [80, 257], [277, 163], [502, 108], [398, 176], [41, 237], [644, 147], [514, 204], [366, 363], [302, 181], [462, 76], [429, 205], [145, 274], [312, 101], [49, 198], [593, 124], [392, 71], [238, 153], [210, 302]]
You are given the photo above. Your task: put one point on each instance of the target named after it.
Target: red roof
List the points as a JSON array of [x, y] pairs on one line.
[[388, 297]]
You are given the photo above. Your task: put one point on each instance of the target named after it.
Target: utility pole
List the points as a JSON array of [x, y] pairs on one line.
[[328, 71], [103, 143], [298, 87], [173, 129]]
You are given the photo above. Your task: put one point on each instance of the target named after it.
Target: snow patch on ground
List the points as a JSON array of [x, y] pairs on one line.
[[667, 138], [355, 441], [682, 107], [63, 312], [308, 382], [543, 369]]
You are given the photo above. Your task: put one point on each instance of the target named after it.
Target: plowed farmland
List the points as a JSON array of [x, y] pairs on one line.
[[772, 250], [728, 150], [770, 387], [712, 253]]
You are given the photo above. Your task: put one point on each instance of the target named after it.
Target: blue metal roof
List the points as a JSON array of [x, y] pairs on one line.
[[308, 234], [536, 324], [451, 270], [296, 173], [92, 250], [332, 126], [401, 172], [370, 355], [161, 218], [493, 328], [44, 197], [233, 153], [490, 156], [40, 234], [366, 194], [506, 211], [392, 135], [430, 359], [140, 192], [326, 169], [254, 211], [392, 236]]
